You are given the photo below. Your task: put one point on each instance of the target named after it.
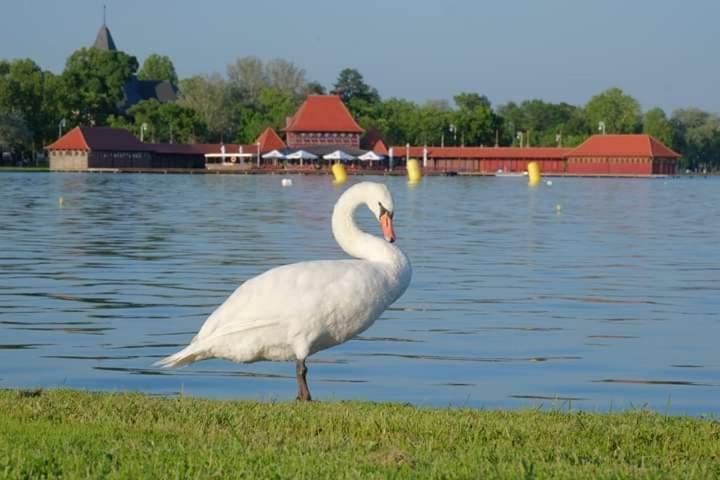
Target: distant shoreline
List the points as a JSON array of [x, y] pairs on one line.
[[400, 172]]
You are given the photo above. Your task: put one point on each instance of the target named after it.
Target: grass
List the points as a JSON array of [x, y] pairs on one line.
[[75, 434], [24, 169]]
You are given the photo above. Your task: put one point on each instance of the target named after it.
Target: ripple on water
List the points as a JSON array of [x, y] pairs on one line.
[[509, 302]]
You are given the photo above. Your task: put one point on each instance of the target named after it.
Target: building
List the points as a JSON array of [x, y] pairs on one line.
[[323, 120], [89, 148], [621, 155], [136, 90], [615, 155], [488, 160], [105, 148], [323, 124]]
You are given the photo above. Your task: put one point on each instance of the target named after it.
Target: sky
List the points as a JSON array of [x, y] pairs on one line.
[[662, 52]]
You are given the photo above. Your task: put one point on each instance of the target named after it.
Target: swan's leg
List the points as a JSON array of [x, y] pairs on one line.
[[301, 372]]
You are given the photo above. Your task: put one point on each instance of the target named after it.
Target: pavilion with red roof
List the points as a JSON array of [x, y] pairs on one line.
[[322, 120], [622, 155]]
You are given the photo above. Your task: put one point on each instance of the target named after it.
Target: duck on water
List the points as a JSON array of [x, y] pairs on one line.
[[293, 311]]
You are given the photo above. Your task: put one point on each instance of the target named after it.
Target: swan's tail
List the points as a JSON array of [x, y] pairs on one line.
[[187, 355]]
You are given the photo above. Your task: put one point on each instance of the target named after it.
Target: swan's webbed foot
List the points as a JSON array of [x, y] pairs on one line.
[[301, 373]]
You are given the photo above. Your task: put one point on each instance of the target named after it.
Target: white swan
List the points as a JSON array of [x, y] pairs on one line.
[[293, 311]]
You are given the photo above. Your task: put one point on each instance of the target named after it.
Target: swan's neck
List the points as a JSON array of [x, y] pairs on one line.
[[354, 241]]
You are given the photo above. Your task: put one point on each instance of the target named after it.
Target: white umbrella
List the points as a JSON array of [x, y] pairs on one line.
[[339, 155], [274, 155], [370, 156], [301, 155]]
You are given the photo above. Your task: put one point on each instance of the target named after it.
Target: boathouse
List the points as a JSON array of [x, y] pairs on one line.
[[621, 155], [90, 148]]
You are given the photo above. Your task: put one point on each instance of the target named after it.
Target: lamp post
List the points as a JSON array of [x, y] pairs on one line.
[[143, 127], [519, 136], [453, 129], [61, 125], [601, 127]]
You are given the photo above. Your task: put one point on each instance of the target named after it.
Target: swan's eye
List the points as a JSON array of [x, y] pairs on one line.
[[384, 210]]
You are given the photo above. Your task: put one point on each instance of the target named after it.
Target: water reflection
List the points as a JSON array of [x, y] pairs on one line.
[[610, 301]]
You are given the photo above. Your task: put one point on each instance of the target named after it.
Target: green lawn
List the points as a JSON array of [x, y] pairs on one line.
[[73, 434], [24, 169]]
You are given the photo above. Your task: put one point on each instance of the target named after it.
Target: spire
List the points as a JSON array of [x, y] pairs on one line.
[[104, 40]]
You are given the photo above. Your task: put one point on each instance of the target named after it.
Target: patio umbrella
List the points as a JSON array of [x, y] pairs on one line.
[[301, 155], [370, 156], [274, 155], [339, 156]]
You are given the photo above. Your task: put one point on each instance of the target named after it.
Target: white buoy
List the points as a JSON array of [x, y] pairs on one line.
[[286, 182], [548, 183]]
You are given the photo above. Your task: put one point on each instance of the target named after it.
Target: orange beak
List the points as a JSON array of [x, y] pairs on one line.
[[387, 227]]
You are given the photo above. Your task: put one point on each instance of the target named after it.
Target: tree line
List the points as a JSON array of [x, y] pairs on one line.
[[36, 105]]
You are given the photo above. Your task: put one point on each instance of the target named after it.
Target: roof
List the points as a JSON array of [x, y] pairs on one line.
[[640, 145], [104, 40], [323, 113], [173, 148], [483, 152], [269, 140], [99, 139], [135, 91], [380, 147]]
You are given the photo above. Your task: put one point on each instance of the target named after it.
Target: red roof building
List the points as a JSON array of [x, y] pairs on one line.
[[269, 140], [485, 159], [322, 120], [622, 155], [89, 148]]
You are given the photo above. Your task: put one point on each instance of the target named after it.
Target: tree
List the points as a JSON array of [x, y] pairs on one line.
[[543, 123], [33, 94], [314, 88], [696, 135], [619, 113], [357, 95], [14, 133], [158, 67], [93, 83], [474, 119], [657, 124], [271, 109], [246, 77], [167, 122], [209, 97], [285, 77]]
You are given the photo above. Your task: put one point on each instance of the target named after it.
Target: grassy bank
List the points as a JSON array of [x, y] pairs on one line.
[[70, 434], [24, 169]]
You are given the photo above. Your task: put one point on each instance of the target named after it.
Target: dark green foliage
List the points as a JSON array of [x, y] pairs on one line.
[[158, 67], [619, 112], [93, 81], [165, 122]]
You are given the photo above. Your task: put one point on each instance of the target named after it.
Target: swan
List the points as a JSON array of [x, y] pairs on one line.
[[293, 311]]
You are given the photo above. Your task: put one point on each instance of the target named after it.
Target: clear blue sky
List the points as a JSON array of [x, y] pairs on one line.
[[663, 52]]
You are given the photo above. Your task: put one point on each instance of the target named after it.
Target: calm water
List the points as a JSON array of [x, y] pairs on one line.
[[596, 294]]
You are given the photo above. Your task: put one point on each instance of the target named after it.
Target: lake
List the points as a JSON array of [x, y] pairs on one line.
[[595, 294]]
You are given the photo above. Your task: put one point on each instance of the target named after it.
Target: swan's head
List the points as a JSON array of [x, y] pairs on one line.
[[380, 202]]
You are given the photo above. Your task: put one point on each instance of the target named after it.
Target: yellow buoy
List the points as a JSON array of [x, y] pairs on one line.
[[339, 173], [533, 174], [414, 172], [61, 202]]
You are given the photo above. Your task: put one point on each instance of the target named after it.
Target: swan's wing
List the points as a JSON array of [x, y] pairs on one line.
[[291, 295]]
